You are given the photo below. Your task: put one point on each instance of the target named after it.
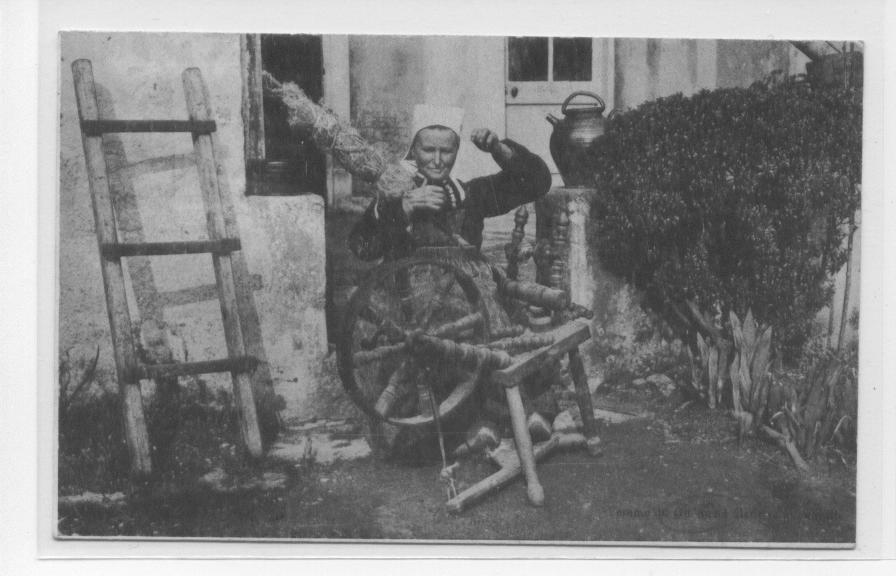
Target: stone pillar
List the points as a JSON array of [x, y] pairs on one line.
[[572, 262], [566, 212]]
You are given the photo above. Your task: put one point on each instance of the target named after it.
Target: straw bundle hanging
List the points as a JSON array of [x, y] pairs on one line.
[[333, 135]]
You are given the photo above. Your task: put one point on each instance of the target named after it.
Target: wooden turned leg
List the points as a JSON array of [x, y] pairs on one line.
[[524, 446], [583, 399], [377, 438], [510, 469], [480, 489]]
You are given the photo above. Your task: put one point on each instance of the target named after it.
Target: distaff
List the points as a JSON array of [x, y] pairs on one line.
[[336, 136]]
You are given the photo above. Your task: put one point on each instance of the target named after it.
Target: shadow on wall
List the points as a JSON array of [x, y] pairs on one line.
[[173, 300]]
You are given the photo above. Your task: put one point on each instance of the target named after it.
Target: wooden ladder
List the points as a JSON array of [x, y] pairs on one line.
[[223, 240]]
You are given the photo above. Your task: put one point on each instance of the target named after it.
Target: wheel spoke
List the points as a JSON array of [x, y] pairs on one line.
[[379, 353], [440, 300], [396, 387], [402, 294], [371, 315], [393, 334], [459, 326], [386, 306]]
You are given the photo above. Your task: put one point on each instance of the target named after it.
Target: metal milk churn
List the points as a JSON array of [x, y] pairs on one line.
[[573, 135]]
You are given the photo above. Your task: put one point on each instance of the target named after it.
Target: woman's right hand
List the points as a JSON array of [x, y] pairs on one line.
[[427, 198]]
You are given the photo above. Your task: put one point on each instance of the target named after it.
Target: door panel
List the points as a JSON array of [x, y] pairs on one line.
[[527, 125]]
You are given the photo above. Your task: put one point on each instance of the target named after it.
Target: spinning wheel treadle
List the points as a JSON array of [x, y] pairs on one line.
[[410, 328]]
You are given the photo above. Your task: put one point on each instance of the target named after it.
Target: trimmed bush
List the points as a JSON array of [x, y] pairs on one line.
[[730, 200]]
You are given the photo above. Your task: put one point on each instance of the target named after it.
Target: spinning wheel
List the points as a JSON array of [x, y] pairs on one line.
[[409, 342], [416, 343]]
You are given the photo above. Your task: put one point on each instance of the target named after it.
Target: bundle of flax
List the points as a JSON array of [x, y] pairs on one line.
[[333, 135]]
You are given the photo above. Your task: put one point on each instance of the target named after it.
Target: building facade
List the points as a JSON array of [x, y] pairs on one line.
[[292, 208]]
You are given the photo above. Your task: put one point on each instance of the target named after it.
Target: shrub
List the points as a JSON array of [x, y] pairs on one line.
[[825, 393], [730, 200]]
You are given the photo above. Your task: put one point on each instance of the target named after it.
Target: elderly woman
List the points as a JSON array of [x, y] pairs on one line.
[[441, 210], [444, 217]]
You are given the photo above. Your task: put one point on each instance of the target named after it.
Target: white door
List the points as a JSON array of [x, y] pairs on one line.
[[540, 73]]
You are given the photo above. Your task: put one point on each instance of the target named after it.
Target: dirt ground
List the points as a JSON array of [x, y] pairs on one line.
[[665, 476]]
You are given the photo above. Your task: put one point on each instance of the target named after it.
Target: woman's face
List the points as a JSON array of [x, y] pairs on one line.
[[434, 151]]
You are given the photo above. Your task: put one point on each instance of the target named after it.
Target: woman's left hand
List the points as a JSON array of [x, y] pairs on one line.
[[488, 141], [485, 139]]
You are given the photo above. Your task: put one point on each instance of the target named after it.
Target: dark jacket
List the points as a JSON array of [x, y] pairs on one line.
[[383, 230]]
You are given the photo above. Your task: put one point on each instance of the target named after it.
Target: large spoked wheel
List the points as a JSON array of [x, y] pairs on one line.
[[399, 304]]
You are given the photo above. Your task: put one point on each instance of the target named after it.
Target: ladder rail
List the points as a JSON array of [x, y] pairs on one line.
[[178, 248], [262, 381], [198, 110], [120, 324], [93, 127], [243, 364]]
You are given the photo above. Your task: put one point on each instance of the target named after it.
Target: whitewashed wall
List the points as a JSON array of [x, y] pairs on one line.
[[139, 76]]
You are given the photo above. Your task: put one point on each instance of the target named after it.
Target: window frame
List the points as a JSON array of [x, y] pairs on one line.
[[529, 92], [336, 93]]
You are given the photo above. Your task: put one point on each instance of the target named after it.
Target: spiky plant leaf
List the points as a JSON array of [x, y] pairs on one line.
[[749, 332]]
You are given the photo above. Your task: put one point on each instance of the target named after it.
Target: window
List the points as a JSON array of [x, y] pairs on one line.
[[281, 161], [554, 59], [543, 70]]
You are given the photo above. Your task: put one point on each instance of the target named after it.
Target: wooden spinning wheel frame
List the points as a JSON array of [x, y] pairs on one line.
[[400, 312], [416, 343]]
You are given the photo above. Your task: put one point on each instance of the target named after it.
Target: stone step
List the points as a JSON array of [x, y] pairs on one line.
[[320, 442]]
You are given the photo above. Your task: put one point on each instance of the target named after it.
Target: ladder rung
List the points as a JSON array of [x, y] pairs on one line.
[[238, 364], [225, 245], [100, 127]]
